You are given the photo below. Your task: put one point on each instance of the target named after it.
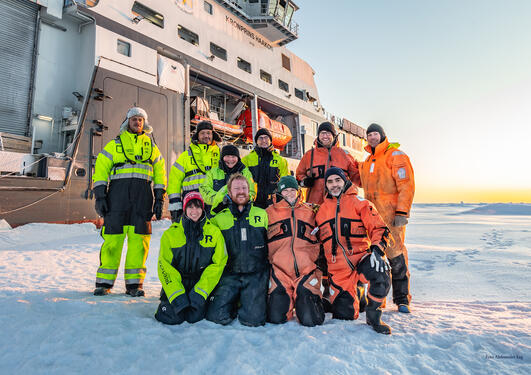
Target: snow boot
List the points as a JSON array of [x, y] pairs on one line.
[[136, 292], [362, 297], [373, 313], [403, 308], [101, 291]]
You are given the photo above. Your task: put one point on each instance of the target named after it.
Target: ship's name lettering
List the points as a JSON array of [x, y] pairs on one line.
[[247, 32]]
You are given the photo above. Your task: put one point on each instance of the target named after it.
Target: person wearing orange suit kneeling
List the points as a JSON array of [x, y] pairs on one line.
[[354, 238], [293, 249], [388, 181]]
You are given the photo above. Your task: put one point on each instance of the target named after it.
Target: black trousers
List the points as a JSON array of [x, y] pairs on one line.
[[240, 294]]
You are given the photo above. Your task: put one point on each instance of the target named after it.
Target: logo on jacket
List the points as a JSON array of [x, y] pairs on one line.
[[208, 238], [257, 219]]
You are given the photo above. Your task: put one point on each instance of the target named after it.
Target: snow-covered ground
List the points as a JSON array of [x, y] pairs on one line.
[[471, 310]]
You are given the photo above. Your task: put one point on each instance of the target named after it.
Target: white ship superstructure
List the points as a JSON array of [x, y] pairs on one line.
[[73, 68]]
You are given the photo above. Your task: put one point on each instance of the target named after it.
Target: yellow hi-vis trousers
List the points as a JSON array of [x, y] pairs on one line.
[[111, 253]]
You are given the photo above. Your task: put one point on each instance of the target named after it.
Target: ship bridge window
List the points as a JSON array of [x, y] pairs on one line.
[[283, 85], [285, 62], [142, 12], [123, 48], [188, 35], [208, 7], [266, 77], [300, 94], [218, 51], [244, 65]]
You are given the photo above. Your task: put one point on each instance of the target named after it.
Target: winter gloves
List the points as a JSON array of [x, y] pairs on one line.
[[378, 260], [308, 182], [399, 221], [159, 202], [101, 206], [224, 204], [180, 303]]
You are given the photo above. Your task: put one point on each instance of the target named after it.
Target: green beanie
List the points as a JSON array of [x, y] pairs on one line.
[[287, 182]]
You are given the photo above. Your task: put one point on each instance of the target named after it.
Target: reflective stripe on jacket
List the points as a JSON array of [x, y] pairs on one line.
[[388, 180], [113, 163], [188, 171]]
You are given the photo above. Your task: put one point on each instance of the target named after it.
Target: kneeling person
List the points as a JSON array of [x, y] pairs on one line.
[[293, 249], [191, 260], [354, 238], [242, 290]]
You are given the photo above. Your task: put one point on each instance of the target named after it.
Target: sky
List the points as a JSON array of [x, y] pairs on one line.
[[449, 80]]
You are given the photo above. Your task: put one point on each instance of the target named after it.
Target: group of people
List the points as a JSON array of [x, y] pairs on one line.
[[245, 241]]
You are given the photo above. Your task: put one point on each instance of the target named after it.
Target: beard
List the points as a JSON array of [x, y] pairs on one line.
[[241, 199]]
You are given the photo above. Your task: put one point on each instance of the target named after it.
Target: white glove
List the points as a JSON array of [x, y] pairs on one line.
[[378, 263]]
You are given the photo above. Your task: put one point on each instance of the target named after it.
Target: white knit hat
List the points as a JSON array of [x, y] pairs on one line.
[[136, 111]]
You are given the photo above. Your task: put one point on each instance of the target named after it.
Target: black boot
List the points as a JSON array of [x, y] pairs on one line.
[[373, 313], [135, 292], [101, 291]]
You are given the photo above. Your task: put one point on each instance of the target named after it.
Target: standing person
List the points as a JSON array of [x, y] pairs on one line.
[[354, 237], [315, 162], [215, 186], [266, 166], [131, 162], [388, 181], [293, 249], [191, 260], [242, 290], [189, 170]]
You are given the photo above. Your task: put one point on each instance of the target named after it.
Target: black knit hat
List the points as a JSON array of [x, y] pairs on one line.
[[263, 131], [335, 170], [376, 128], [205, 125], [329, 127], [230, 149]]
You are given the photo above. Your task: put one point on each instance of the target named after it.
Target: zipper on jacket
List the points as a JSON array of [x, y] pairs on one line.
[[294, 232], [337, 237]]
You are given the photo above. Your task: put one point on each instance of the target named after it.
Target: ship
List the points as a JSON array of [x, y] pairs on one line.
[[71, 69]]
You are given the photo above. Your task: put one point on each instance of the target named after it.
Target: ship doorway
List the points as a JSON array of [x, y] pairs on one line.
[[124, 96]]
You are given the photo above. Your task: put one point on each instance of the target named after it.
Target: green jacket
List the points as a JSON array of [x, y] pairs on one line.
[[191, 261], [215, 186], [245, 235], [189, 170]]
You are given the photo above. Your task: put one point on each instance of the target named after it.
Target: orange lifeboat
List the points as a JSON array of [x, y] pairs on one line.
[[280, 132], [220, 127]]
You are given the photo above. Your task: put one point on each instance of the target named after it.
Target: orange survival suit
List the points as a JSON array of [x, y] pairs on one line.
[[293, 249], [318, 160], [345, 245], [388, 181]]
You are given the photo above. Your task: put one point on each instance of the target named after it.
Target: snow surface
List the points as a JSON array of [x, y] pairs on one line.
[[471, 310]]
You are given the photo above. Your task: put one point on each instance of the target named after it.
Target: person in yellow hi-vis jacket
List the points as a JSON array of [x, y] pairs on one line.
[[189, 170], [191, 260], [124, 172]]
